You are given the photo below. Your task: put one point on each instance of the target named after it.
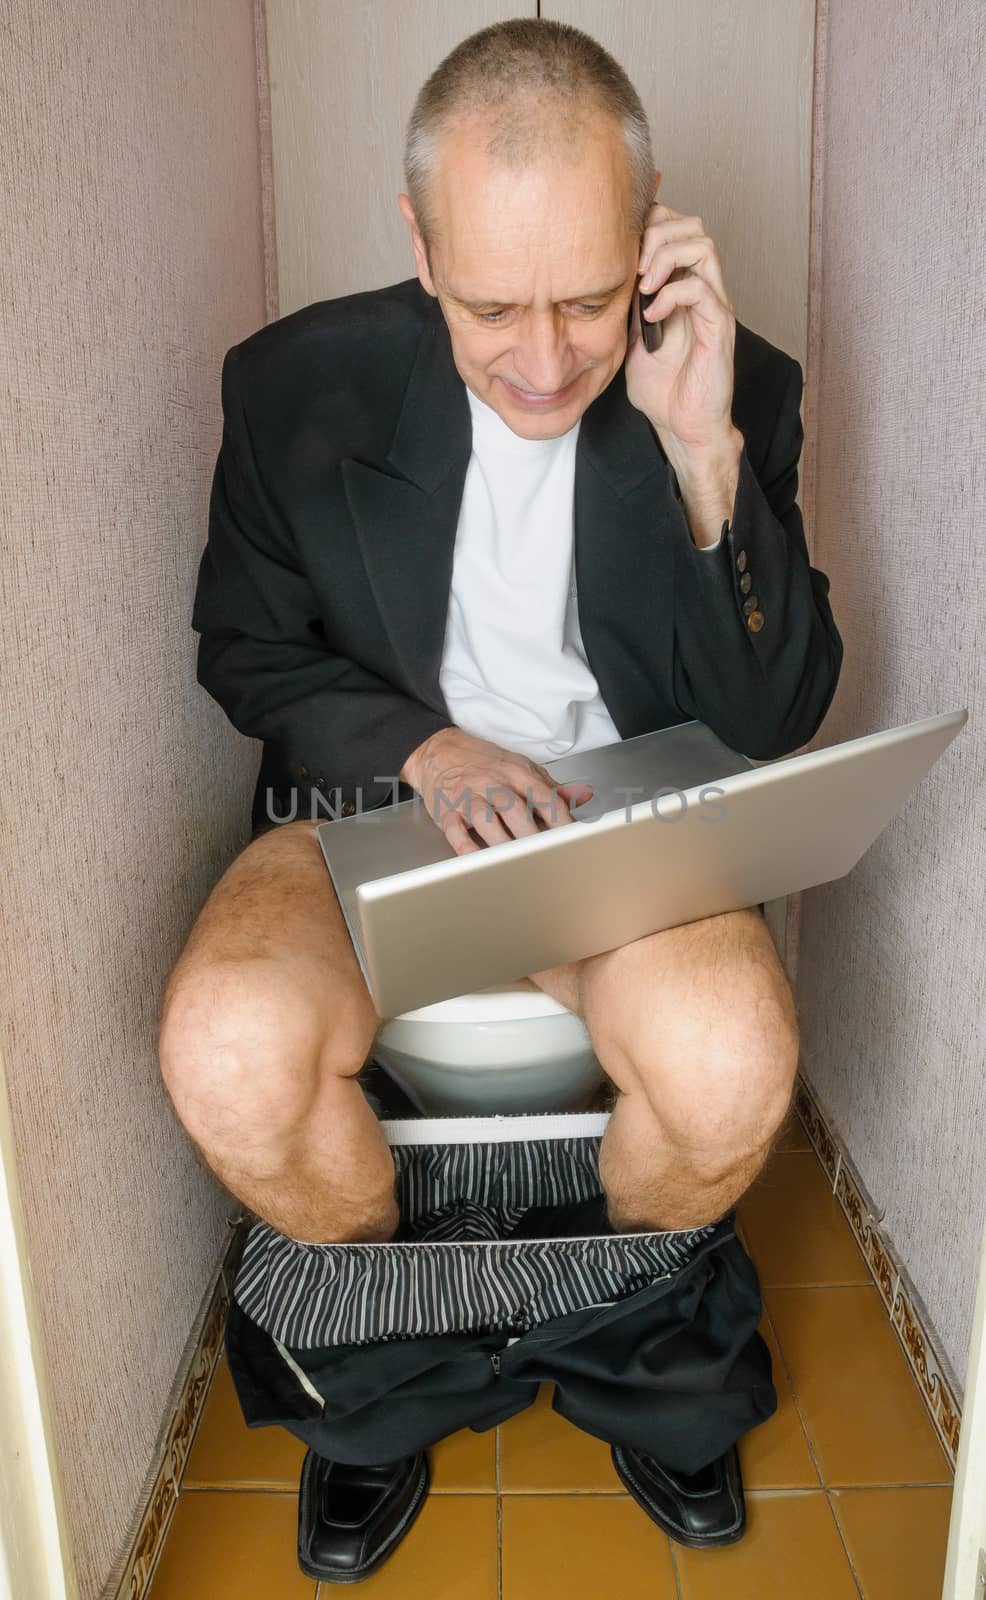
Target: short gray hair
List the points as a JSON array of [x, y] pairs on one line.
[[525, 60]]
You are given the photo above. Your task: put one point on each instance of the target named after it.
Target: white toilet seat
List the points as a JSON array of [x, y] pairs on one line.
[[501, 1002], [503, 1051]]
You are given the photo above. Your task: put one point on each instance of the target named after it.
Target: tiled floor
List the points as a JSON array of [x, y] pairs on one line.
[[848, 1490]]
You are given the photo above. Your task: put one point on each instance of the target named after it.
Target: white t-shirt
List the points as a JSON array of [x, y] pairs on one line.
[[514, 668]]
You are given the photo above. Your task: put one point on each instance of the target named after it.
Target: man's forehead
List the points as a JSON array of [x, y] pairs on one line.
[[576, 264], [587, 268], [498, 239]]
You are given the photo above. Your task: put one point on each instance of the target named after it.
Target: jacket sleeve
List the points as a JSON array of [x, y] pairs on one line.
[[263, 655], [764, 689]]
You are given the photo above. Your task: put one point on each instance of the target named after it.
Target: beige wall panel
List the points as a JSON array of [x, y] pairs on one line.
[[130, 213], [892, 957], [344, 75], [726, 85]]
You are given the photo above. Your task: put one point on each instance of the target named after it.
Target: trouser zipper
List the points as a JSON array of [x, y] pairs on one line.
[[495, 1359]]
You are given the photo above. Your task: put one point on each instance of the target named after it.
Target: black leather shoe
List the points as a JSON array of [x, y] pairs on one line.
[[700, 1509], [350, 1519]]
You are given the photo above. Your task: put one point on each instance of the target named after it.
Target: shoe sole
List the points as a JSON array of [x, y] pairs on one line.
[[356, 1575], [638, 1494]]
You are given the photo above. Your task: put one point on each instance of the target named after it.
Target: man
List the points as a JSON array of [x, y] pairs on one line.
[[387, 592]]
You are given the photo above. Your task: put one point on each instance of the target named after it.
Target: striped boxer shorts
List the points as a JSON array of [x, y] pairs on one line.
[[504, 1274]]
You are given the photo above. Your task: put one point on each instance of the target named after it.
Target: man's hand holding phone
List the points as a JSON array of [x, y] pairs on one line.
[[685, 387], [480, 794]]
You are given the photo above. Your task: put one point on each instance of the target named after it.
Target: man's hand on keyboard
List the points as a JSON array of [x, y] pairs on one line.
[[480, 794]]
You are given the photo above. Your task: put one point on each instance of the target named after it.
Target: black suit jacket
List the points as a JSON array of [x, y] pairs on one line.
[[323, 588]]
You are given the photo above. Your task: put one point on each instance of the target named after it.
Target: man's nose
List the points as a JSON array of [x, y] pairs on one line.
[[543, 357]]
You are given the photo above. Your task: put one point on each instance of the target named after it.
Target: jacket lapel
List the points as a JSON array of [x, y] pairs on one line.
[[406, 519], [624, 561], [406, 524]]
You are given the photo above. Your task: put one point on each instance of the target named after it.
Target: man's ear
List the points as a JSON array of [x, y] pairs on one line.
[[417, 245]]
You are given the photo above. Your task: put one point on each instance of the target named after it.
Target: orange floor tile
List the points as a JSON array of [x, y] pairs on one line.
[[232, 1546], [228, 1454], [776, 1455], [896, 1539], [863, 1414], [567, 1547], [794, 1227], [542, 1452], [847, 1487]]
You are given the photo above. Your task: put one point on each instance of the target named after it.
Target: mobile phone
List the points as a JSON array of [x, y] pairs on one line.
[[651, 332]]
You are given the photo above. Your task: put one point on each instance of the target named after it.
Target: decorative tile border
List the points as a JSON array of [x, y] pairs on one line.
[[205, 1346], [908, 1316]]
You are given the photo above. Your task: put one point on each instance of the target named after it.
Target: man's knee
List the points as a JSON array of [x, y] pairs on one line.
[[718, 1094], [243, 1048]]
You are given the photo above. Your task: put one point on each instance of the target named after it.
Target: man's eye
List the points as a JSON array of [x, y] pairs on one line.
[[494, 316]]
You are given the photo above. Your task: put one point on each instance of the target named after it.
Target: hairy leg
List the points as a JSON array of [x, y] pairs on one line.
[[266, 1020], [697, 1028]]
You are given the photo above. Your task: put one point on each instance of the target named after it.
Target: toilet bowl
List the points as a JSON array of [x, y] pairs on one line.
[[507, 1049]]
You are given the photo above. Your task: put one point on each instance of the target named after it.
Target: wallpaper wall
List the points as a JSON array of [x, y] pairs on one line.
[[891, 958], [131, 219]]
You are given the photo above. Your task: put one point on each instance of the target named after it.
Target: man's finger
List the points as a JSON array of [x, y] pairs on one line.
[[507, 798], [658, 208], [697, 255], [553, 807], [496, 813], [576, 793], [458, 835], [666, 230], [532, 783], [491, 829], [688, 291], [518, 819]]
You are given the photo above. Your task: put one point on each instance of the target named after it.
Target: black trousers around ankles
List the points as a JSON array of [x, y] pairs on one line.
[[676, 1369]]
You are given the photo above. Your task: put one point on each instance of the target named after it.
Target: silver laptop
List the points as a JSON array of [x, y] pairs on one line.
[[679, 827]]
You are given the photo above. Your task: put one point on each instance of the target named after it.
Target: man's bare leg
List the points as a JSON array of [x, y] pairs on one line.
[[698, 1030], [265, 1022]]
